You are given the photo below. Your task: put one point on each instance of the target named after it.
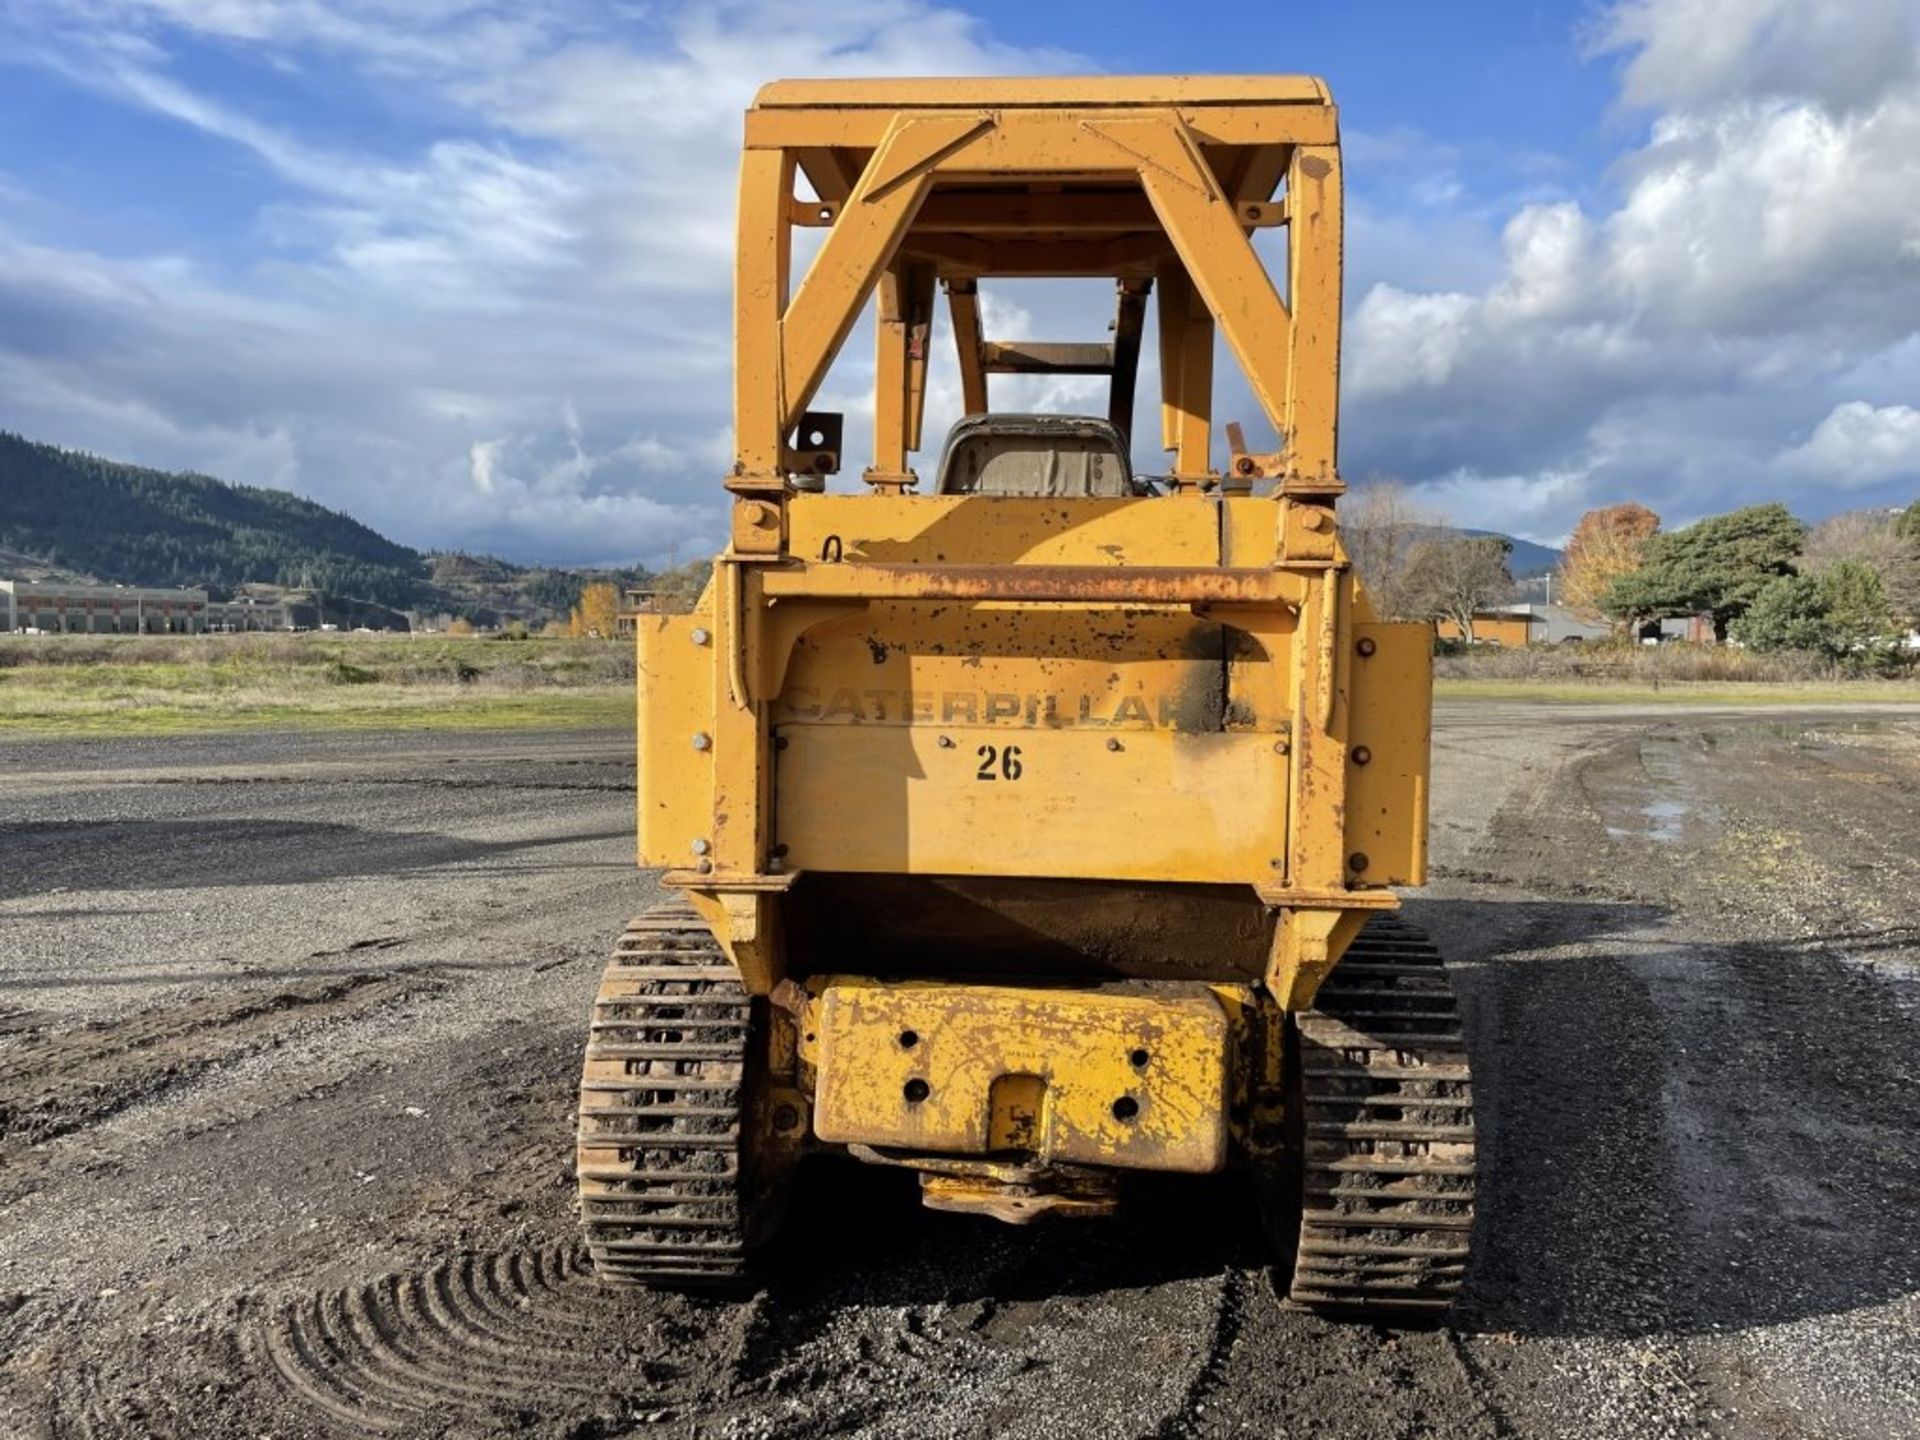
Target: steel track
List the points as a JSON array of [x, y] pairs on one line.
[[662, 1104], [1386, 1134]]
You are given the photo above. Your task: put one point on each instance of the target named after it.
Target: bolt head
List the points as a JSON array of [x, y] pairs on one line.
[[701, 637], [701, 847], [703, 741], [1366, 645], [1357, 862], [1113, 744], [1361, 754]]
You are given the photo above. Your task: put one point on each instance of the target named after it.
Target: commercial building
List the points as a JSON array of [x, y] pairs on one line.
[[1515, 626], [57, 608]]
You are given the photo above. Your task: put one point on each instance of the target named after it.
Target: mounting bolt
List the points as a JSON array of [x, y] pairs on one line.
[[946, 742], [701, 847], [1357, 862], [703, 741], [1361, 754], [705, 867], [1113, 744], [701, 637], [761, 515], [785, 1118], [1281, 747], [1365, 645], [1314, 520]]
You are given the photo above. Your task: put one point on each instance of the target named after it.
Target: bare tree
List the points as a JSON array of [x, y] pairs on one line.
[[1385, 532], [1871, 538], [1456, 577]]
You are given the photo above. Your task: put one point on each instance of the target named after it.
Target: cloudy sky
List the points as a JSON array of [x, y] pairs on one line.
[[461, 267]]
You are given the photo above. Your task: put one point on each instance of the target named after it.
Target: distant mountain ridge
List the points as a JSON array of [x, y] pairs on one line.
[[1528, 559], [135, 526], [71, 515]]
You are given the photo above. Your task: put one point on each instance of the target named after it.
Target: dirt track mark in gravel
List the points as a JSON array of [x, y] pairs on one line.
[[61, 1081], [471, 1340]]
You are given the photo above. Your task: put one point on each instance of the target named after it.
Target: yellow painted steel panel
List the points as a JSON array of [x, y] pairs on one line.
[[1052, 92], [1049, 668], [995, 800], [1391, 720], [1004, 530], [675, 779], [1137, 1080]]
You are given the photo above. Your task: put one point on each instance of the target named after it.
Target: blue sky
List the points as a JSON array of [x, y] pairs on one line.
[[461, 266]]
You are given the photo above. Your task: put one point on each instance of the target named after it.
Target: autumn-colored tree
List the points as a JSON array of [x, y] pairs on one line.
[[461, 626], [1606, 544], [597, 614]]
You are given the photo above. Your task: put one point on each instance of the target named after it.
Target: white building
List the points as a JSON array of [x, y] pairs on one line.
[[54, 607]]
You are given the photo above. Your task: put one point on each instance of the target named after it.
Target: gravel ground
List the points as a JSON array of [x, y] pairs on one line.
[[289, 1027]]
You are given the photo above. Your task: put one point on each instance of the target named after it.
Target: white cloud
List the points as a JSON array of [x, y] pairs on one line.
[[1859, 445], [1762, 253], [482, 456], [502, 322], [510, 330], [1402, 341], [1702, 52], [1549, 265]]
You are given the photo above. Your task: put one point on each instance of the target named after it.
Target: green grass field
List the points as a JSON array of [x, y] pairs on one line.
[[1683, 692], [55, 685]]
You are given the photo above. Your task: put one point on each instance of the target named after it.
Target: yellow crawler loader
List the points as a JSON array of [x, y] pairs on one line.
[[1040, 826]]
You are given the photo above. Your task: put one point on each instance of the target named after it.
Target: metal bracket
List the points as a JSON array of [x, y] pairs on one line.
[[1247, 466], [814, 448]]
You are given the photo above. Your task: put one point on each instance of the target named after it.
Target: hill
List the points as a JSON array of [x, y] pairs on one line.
[[133, 526], [1528, 559], [68, 515]]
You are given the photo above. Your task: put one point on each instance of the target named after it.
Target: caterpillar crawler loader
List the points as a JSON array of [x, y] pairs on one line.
[[1041, 828]]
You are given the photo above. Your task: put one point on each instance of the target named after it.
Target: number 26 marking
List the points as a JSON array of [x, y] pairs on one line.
[[997, 764]]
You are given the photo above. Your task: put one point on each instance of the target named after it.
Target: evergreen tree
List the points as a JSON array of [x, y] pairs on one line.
[[1717, 567]]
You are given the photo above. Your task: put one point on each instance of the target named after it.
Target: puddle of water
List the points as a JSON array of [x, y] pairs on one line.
[[1665, 820], [1665, 814], [1655, 802]]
